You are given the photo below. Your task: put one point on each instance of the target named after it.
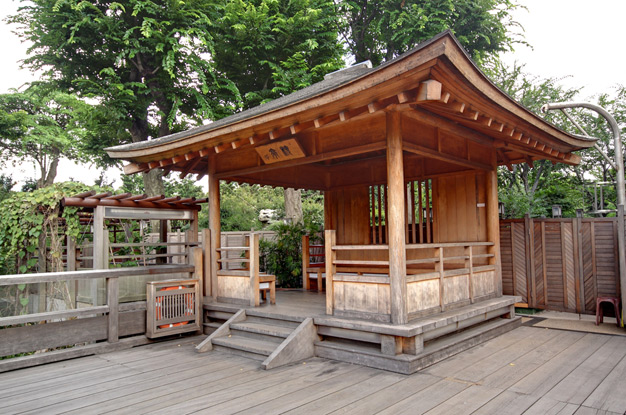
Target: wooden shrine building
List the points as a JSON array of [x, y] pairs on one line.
[[406, 156]]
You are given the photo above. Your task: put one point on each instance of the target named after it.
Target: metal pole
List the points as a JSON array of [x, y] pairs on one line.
[[619, 164], [617, 140]]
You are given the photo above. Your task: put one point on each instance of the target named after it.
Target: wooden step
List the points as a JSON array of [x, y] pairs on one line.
[[210, 327], [263, 328], [369, 355], [272, 320], [218, 315], [244, 346]]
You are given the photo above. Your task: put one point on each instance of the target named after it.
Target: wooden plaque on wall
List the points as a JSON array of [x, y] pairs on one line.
[[280, 151]]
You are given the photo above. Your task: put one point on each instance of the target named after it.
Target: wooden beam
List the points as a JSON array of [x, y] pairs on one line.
[[405, 96], [434, 154], [529, 160], [192, 165], [153, 165], [166, 162], [204, 152], [445, 96], [251, 139], [273, 135], [192, 155], [306, 160], [429, 90], [344, 116], [444, 124], [372, 107], [238, 143], [505, 159], [133, 168]]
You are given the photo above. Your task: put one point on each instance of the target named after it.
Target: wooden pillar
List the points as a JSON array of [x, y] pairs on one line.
[[395, 219], [330, 240], [214, 225], [206, 247], [100, 250], [493, 226], [305, 264], [253, 265]]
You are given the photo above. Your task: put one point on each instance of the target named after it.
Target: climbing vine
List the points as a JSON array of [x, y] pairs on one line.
[[29, 229]]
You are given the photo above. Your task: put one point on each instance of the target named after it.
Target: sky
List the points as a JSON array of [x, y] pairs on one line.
[[578, 41]]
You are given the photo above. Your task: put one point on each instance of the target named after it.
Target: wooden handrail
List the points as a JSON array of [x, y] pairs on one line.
[[93, 274]]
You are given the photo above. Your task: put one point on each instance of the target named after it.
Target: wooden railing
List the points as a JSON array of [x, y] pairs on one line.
[[27, 333], [245, 285], [426, 263]]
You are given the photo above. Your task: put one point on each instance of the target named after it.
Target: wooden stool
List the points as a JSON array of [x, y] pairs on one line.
[[599, 313]]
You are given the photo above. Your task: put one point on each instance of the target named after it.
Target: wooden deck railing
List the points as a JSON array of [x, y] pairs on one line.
[[439, 263], [53, 329]]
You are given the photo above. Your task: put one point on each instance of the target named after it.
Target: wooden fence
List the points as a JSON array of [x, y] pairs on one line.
[[560, 264]]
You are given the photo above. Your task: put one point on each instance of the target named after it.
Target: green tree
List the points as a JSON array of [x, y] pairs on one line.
[[270, 48], [381, 30], [145, 62], [41, 125]]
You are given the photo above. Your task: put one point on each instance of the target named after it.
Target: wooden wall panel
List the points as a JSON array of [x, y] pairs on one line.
[[459, 208], [423, 295], [518, 260], [561, 264]]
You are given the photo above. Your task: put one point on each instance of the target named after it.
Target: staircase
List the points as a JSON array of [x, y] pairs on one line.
[[275, 340]]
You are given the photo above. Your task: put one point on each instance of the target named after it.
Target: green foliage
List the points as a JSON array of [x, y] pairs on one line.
[[6, 186], [144, 62], [41, 124], [283, 257], [382, 30], [27, 217], [240, 205], [269, 48]]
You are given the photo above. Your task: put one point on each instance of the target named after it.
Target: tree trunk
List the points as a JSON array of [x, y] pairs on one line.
[[153, 182], [293, 206]]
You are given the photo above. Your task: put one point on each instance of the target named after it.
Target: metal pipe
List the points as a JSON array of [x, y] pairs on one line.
[[586, 135], [619, 158]]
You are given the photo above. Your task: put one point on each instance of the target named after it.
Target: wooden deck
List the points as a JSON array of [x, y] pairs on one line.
[[528, 370]]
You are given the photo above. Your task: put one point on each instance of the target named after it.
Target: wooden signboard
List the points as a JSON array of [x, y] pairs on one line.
[[280, 151]]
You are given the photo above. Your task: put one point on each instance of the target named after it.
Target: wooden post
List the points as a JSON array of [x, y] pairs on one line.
[[214, 226], [113, 290], [305, 263], [493, 227], [254, 269], [469, 264], [529, 226], [100, 249], [330, 240], [622, 254], [395, 219], [206, 248], [70, 261]]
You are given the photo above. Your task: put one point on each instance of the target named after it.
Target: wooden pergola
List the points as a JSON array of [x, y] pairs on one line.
[[406, 155]]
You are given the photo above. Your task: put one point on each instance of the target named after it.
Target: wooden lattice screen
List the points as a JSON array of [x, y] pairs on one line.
[[418, 215]]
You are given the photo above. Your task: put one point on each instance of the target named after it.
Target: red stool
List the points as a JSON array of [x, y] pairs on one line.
[[612, 300]]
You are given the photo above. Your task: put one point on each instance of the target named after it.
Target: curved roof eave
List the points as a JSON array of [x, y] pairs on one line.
[[342, 85]]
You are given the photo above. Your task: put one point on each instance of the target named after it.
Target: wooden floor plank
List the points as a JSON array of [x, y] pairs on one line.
[[544, 378], [585, 410], [507, 403], [348, 395], [426, 399], [466, 402], [547, 406], [581, 382], [609, 395], [528, 370], [281, 403], [502, 358], [520, 367], [451, 366], [386, 397], [211, 399], [284, 389], [78, 397]]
